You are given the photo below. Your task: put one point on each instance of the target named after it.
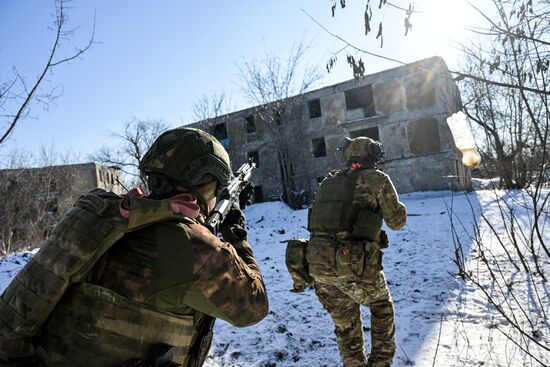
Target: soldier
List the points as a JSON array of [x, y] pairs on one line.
[[344, 255], [137, 281]]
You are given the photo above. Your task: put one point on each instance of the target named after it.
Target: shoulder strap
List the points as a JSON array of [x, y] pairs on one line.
[[145, 212]]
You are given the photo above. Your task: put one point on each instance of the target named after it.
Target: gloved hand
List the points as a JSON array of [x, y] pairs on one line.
[[246, 195], [234, 217], [232, 227]]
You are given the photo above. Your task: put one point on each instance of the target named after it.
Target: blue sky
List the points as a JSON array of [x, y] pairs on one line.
[[153, 59]]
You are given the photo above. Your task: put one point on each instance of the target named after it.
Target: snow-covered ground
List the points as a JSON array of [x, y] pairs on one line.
[[441, 320]]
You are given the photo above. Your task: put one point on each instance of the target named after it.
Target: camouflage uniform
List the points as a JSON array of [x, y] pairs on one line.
[[346, 261], [119, 276]]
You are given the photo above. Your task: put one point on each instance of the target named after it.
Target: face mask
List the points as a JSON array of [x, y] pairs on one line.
[[206, 193]]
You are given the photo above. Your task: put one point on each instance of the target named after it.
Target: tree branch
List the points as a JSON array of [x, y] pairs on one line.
[[460, 74], [49, 65], [507, 32]]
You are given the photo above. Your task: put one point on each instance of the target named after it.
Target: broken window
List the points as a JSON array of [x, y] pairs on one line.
[[314, 108], [277, 118], [220, 133], [12, 184], [250, 124], [255, 158], [370, 132], [423, 136], [319, 147], [361, 97], [53, 185]]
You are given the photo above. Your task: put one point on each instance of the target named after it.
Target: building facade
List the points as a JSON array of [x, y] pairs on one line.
[[68, 179], [32, 200], [405, 108]]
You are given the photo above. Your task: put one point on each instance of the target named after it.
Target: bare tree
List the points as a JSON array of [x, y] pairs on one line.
[[17, 95], [276, 87], [33, 199], [208, 109], [508, 30], [131, 144], [512, 116], [515, 122]]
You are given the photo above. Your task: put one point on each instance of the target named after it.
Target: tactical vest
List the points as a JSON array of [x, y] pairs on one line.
[[334, 210], [94, 326], [82, 324]]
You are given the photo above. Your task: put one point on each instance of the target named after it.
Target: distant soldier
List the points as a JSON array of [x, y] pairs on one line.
[[343, 257], [137, 281]]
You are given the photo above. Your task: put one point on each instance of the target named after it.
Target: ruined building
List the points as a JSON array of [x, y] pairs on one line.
[[405, 108], [33, 199]]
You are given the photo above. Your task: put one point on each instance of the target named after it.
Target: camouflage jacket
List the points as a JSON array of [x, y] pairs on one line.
[[374, 189], [223, 279], [163, 261]]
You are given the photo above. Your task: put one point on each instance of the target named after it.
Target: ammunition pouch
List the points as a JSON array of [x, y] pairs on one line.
[[373, 258], [350, 258], [295, 258], [345, 257]]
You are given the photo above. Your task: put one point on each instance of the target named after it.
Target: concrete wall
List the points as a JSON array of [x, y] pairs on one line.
[[46, 194], [70, 181], [407, 106], [87, 176]]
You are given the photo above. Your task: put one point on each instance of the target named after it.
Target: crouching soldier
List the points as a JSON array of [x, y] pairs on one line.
[[137, 281], [343, 258]]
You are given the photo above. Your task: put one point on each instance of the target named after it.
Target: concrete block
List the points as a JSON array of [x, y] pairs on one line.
[[333, 109], [420, 91], [394, 138], [388, 97]]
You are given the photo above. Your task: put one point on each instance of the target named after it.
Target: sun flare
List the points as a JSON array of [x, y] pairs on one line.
[[446, 20]]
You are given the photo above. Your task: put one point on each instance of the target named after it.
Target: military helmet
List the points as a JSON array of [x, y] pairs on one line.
[[361, 150], [187, 157]]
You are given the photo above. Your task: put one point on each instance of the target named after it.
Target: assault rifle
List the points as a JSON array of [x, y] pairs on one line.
[[240, 184]]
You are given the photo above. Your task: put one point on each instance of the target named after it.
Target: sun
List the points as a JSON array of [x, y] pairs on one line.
[[446, 20]]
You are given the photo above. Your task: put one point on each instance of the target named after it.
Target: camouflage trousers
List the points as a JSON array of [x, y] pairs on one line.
[[342, 296]]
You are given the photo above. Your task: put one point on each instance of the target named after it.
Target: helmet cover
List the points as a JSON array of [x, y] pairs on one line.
[[187, 156], [363, 150]]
